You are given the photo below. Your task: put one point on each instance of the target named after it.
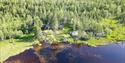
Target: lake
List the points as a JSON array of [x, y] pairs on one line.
[[112, 53], [72, 53]]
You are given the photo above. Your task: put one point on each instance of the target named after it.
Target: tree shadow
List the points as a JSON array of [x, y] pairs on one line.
[[26, 38]]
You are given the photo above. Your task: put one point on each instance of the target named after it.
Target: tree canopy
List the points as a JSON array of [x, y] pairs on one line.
[[18, 17]]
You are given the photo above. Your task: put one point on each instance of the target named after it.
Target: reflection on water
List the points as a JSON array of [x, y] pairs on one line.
[[113, 53]]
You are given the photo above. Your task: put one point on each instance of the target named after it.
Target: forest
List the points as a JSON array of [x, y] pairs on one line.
[[74, 21]]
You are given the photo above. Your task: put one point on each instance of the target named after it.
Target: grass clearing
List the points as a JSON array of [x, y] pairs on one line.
[[8, 49]]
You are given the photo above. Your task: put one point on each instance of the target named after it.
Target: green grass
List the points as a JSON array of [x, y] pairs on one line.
[[8, 49]]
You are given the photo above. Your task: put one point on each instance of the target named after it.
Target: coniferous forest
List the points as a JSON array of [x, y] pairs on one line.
[[30, 24], [63, 20]]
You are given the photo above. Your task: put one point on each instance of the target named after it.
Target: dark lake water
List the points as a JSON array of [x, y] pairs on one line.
[[112, 53]]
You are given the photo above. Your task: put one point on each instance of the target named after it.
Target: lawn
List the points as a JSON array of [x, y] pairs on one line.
[[8, 49]]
